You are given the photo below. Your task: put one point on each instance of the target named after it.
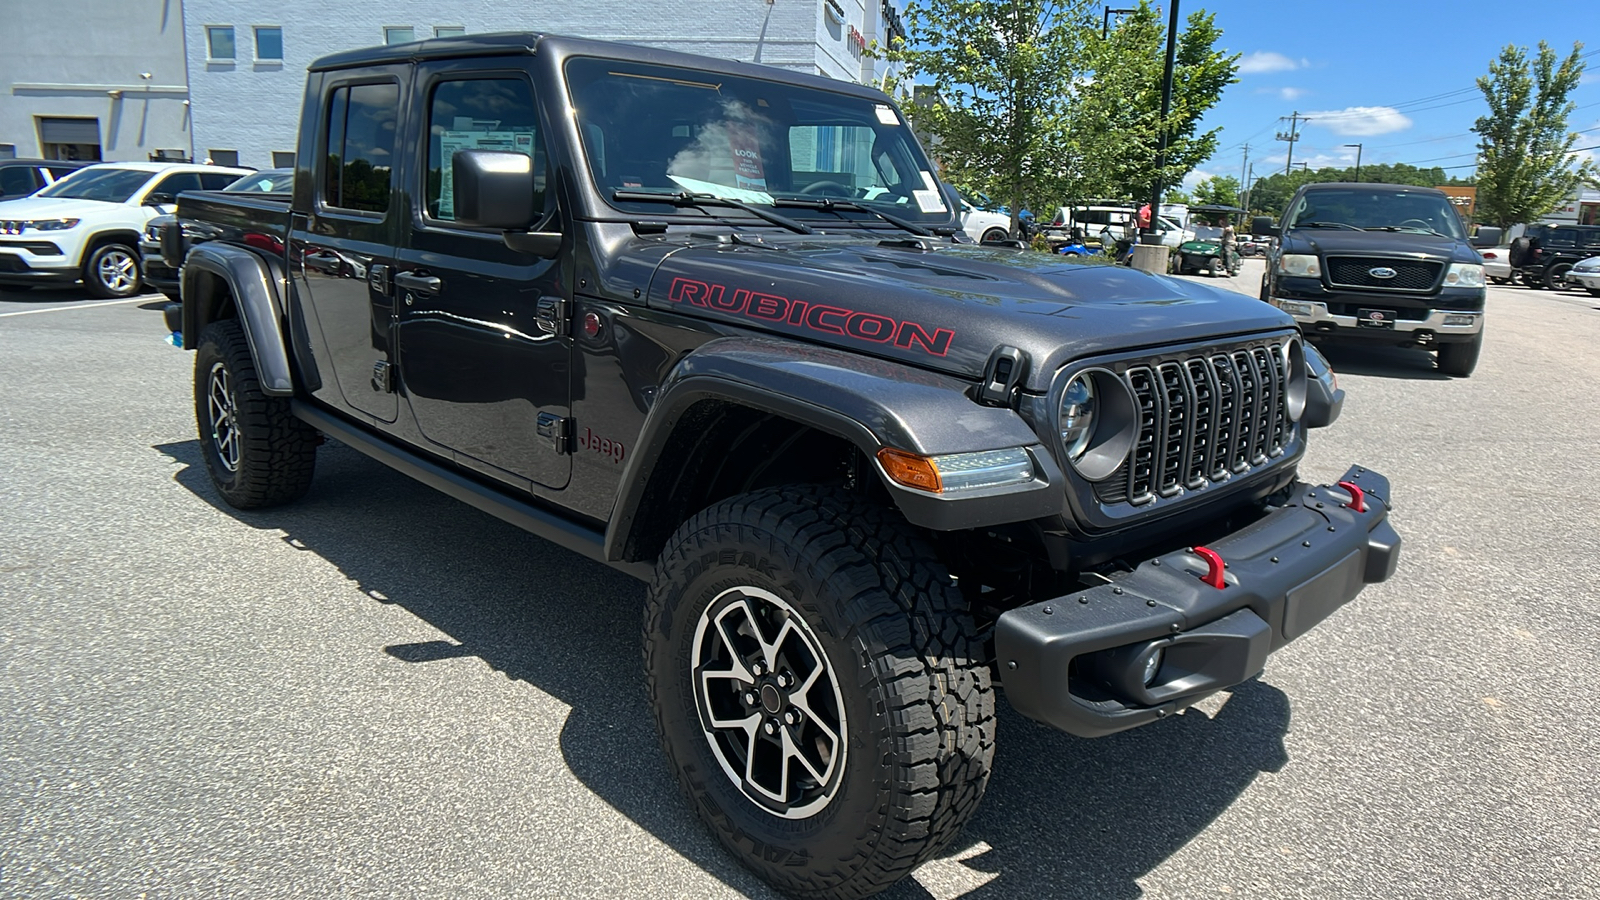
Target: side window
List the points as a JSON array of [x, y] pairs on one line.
[[216, 181], [361, 126], [177, 183], [16, 181], [480, 114]]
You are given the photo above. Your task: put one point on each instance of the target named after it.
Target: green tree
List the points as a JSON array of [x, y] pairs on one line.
[[1525, 164], [999, 71], [1218, 190], [1270, 194], [1115, 116]]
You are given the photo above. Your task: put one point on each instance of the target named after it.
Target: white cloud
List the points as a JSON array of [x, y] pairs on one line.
[[1285, 93], [1194, 178], [1358, 121], [1268, 61]]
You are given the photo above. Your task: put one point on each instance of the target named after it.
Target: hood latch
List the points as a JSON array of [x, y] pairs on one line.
[[1001, 375]]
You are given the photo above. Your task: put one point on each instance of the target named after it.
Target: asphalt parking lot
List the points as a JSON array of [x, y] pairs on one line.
[[380, 692]]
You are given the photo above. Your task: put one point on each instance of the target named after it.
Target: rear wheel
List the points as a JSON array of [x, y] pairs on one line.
[[257, 452], [1555, 277], [819, 688], [1459, 359], [112, 271], [994, 234]]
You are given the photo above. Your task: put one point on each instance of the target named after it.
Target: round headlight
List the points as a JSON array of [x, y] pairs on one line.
[[1095, 421], [1077, 416]]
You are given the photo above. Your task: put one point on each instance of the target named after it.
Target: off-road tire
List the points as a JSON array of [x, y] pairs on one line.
[[917, 702], [994, 234], [1518, 252], [1460, 358], [112, 271], [271, 455], [1555, 277]]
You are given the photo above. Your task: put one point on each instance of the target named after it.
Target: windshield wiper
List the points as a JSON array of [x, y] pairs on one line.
[[1409, 229], [829, 204], [685, 198], [1324, 225]]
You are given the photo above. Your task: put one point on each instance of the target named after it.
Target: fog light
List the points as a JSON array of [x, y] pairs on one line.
[[1460, 320], [1152, 667]]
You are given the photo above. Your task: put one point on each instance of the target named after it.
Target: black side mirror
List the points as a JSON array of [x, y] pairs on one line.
[[495, 189], [1261, 226], [159, 198], [1487, 236]]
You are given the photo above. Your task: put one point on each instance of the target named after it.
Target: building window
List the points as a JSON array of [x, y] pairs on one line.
[[399, 34], [449, 30], [219, 43], [360, 142], [222, 157], [269, 43], [8, 151], [283, 159]]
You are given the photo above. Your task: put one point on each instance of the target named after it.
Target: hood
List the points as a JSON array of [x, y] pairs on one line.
[[62, 208], [1340, 241], [948, 306]]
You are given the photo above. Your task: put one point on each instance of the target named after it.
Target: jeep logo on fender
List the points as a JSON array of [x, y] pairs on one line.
[[819, 317]]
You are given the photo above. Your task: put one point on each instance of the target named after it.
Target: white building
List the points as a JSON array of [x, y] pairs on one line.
[[247, 61], [97, 79]]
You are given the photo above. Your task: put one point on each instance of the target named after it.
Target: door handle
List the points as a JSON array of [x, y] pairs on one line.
[[422, 284]]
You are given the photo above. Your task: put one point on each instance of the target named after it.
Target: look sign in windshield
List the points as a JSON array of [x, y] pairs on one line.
[[653, 129]]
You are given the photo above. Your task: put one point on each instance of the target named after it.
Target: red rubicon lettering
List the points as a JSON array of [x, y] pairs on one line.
[[815, 322], [911, 333], [815, 316]]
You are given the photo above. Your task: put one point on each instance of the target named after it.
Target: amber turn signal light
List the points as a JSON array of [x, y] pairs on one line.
[[911, 470]]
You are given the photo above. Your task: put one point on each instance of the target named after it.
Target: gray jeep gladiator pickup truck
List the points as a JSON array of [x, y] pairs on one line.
[[714, 324]]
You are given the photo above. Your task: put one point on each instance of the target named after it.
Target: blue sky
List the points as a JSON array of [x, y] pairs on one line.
[[1393, 76]]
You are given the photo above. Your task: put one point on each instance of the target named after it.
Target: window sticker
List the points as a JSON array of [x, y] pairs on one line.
[[748, 173], [452, 142], [928, 182], [886, 115], [929, 201]]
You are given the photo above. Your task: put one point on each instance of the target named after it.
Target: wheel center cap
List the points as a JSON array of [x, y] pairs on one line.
[[771, 700]]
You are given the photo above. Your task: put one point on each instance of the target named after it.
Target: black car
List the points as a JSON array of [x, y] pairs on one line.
[[1380, 263], [21, 177], [164, 278], [1546, 253]]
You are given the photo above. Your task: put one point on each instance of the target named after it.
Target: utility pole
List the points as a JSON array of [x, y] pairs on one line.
[[1249, 181], [1292, 135], [1244, 174], [1358, 159]]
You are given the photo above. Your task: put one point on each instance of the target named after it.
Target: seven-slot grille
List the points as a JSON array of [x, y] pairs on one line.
[[1409, 274], [1212, 416]]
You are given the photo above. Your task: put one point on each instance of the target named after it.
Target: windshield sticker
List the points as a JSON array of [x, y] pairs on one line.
[[747, 170], [929, 201], [927, 180], [886, 115], [863, 326], [452, 142]]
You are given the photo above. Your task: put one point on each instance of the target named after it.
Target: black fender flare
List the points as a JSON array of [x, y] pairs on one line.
[[868, 402], [254, 284]]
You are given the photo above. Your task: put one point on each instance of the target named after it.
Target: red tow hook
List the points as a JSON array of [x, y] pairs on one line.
[[1214, 567], [1358, 497]]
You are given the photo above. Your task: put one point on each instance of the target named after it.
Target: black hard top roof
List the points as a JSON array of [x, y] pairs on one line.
[[529, 42], [53, 163], [1368, 186]]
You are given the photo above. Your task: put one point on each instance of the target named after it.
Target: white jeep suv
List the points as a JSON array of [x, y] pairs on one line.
[[86, 226]]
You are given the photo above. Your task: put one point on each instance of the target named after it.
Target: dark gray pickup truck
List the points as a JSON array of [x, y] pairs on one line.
[[715, 324]]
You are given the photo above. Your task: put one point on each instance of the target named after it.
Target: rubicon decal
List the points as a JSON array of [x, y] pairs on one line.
[[819, 317]]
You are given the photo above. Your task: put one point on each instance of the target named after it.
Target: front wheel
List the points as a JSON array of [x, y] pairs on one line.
[[257, 452], [819, 688], [112, 271], [993, 235], [1459, 359]]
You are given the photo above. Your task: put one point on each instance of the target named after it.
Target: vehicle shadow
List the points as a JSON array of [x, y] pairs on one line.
[[1063, 817], [1379, 361]]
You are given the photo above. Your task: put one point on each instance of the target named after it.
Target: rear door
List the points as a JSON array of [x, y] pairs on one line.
[[485, 351], [342, 250]]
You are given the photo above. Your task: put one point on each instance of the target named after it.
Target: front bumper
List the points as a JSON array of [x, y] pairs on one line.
[[157, 274], [26, 268], [1590, 280], [1447, 324], [1077, 662]]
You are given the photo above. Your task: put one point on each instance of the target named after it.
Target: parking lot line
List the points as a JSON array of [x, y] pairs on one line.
[[28, 312]]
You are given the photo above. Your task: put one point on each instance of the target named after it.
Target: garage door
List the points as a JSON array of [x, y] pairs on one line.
[[69, 131]]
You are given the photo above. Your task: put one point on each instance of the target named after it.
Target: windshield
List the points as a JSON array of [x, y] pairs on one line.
[[110, 185], [1373, 210], [271, 181], [658, 129]]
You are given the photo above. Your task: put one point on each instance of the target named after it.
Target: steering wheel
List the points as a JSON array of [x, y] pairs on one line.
[[1419, 222], [829, 189]]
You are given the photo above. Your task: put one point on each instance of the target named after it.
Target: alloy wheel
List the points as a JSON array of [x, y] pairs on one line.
[[117, 270], [223, 409]]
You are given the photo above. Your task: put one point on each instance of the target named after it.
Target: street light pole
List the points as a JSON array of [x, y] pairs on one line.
[[1105, 26], [1166, 110], [1358, 159]]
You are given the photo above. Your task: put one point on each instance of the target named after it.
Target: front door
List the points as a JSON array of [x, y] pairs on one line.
[[484, 377], [343, 250]]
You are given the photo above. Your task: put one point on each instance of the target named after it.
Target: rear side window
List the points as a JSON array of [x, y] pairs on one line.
[[216, 181], [360, 130], [16, 180], [480, 114]]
